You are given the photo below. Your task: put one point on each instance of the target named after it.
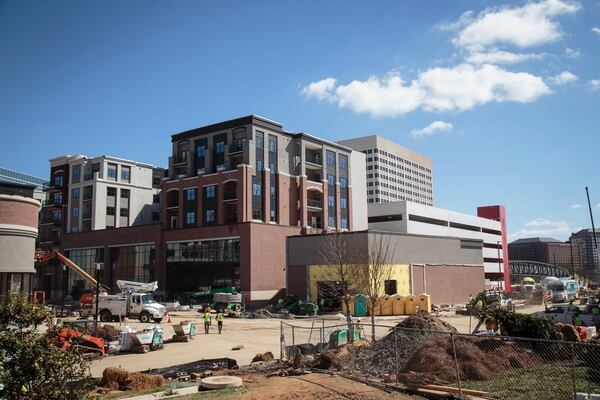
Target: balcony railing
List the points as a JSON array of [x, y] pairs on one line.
[[313, 159], [231, 195], [236, 147], [312, 203]]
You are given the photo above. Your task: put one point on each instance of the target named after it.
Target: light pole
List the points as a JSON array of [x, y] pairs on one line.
[[98, 268], [64, 284]]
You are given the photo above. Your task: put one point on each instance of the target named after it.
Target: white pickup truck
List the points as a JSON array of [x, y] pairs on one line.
[[134, 301], [563, 313]]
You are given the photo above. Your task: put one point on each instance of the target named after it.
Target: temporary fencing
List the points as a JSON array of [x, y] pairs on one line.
[[493, 366]]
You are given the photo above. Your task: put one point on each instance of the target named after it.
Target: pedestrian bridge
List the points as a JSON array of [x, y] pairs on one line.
[[535, 268]]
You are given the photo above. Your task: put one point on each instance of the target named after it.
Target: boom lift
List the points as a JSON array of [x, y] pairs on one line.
[[74, 267]]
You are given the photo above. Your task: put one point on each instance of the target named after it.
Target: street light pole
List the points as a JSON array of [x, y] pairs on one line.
[[98, 267], [592, 219]]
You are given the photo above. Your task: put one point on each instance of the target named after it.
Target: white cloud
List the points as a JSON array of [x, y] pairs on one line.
[[321, 89], [596, 29], [533, 24], [572, 53], [574, 206], [501, 57], [563, 78], [458, 88], [594, 84], [544, 227], [432, 129]]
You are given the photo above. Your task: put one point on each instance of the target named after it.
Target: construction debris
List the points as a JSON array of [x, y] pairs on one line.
[[197, 367], [238, 347], [266, 357]]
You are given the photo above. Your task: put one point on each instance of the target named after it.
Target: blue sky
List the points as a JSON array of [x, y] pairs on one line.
[[503, 96]]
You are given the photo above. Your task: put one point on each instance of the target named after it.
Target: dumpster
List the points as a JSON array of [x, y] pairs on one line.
[[410, 304], [387, 305], [425, 302], [397, 305], [339, 337], [360, 305]]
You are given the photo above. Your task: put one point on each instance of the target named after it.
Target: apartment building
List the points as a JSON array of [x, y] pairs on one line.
[[590, 257], [233, 193], [103, 192], [489, 225], [394, 172]]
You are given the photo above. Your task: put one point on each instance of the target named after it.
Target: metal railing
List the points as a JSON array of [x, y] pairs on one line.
[[314, 203], [313, 159], [491, 366]]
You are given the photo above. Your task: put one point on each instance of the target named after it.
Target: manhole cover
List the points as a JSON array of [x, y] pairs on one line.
[[221, 382]]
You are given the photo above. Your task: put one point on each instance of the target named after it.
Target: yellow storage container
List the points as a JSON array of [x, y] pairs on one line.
[[350, 303], [424, 302], [387, 305], [397, 305], [410, 305]]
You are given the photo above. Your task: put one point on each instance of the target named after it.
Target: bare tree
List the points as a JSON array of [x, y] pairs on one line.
[[344, 256], [375, 272]]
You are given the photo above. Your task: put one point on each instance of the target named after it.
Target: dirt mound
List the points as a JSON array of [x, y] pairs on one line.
[[478, 359], [427, 322], [266, 357], [119, 378]]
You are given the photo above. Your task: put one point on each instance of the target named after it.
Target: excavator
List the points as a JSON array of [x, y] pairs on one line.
[[73, 266]]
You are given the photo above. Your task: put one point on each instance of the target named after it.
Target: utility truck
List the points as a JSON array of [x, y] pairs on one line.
[[134, 301]]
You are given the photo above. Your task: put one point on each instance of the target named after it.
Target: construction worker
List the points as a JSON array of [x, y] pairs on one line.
[[471, 299], [207, 319], [280, 303], [359, 328], [219, 319], [479, 305]]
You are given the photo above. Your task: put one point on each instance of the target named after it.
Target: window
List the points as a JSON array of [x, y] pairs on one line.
[[155, 216], [75, 211], [210, 216], [111, 191], [58, 181], [343, 182], [75, 193], [259, 140], [210, 191], [220, 146], [272, 144], [190, 218], [391, 287], [331, 222], [273, 192], [124, 193], [256, 214], [273, 167], [110, 211], [201, 151], [331, 201], [330, 158], [343, 203], [112, 172], [155, 180], [58, 198], [344, 223], [256, 189], [343, 162], [259, 165], [55, 215], [330, 180], [76, 173], [190, 194], [156, 198], [124, 212], [74, 229], [125, 172]]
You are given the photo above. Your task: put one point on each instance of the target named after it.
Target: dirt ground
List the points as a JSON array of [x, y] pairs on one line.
[[256, 335]]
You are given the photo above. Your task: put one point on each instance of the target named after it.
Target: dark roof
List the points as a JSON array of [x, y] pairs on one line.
[[232, 123], [536, 240], [18, 189]]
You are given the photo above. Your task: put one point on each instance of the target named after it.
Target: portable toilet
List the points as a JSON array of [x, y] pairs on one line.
[[387, 305], [425, 302], [350, 304], [410, 304], [360, 305], [377, 308], [397, 305]]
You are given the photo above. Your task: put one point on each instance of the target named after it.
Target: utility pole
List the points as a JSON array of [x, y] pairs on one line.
[[592, 219]]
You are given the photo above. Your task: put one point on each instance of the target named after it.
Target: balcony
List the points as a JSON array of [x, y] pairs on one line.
[[53, 187], [51, 221], [314, 204], [314, 159], [229, 196], [181, 159], [236, 147]]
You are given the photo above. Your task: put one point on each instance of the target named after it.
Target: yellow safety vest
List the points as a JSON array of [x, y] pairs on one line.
[[220, 317], [206, 317]]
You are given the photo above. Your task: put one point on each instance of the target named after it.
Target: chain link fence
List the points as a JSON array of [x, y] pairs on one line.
[[485, 366]]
